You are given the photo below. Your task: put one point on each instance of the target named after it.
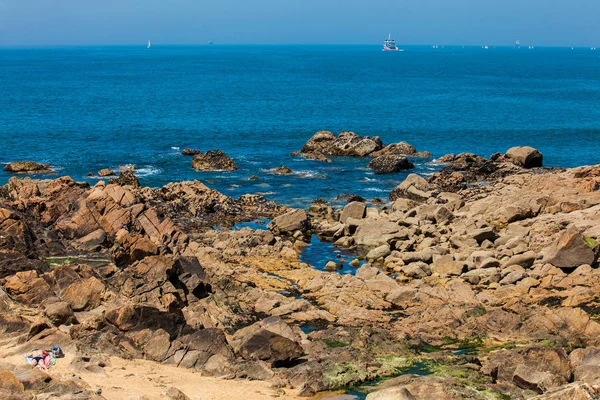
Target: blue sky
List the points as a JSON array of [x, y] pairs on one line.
[[493, 22]]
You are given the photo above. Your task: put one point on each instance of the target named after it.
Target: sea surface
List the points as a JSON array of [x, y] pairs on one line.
[[81, 109]]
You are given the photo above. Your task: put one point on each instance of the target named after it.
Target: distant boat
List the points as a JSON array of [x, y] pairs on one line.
[[389, 44], [485, 47], [435, 46], [593, 48], [210, 43], [518, 44], [148, 45]]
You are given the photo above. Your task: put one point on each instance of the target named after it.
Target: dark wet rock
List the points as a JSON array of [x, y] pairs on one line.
[[26, 167], [388, 164], [345, 144], [281, 170], [190, 152], [524, 156], [106, 172], [213, 160], [126, 178]]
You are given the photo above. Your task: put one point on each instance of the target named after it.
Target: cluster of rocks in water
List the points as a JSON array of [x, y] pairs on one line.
[[483, 275]]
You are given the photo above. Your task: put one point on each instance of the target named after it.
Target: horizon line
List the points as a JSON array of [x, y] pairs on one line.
[[143, 44]]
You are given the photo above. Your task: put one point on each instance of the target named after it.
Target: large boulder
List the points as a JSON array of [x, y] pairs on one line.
[[126, 178], [374, 233], [414, 188], [27, 167], [572, 391], [389, 164], [570, 251], [190, 152], [213, 160], [268, 346], [524, 156], [290, 222], [354, 209]]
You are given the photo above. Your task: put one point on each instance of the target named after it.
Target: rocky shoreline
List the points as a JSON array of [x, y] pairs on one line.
[[478, 282]]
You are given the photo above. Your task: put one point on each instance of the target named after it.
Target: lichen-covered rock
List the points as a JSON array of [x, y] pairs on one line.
[[388, 164]]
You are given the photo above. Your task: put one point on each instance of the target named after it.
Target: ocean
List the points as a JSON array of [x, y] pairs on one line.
[[81, 109]]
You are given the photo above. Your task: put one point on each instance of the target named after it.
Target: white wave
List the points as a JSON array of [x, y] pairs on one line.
[[373, 189], [174, 148], [310, 174], [147, 170]]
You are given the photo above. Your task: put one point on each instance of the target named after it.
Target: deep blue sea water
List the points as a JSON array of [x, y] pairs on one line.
[[82, 109]]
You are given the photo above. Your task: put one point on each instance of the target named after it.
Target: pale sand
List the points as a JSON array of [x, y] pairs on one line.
[[131, 379]]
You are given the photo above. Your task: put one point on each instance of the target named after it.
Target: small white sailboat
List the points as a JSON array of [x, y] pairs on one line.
[[148, 45]]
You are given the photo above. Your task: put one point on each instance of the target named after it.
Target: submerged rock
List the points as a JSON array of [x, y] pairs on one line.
[[213, 160], [281, 170], [389, 164], [24, 167], [402, 148], [190, 152]]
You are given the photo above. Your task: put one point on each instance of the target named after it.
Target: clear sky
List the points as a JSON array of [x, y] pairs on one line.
[[493, 22]]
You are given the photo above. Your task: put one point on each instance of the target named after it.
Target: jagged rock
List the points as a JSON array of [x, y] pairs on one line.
[[126, 178], [26, 167], [190, 152], [389, 164], [525, 156], [569, 251], [213, 160], [355, 209], [290, 222], [345, 144], [525, 260]]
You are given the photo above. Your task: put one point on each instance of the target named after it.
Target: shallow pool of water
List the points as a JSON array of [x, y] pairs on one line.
[[318, 253], [259, 224]]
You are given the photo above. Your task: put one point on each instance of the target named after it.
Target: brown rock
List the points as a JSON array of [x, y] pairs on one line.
[[85, 295], [26, 167], [10, 383], [570, 251], [189, 152], [213, 160], [525, 156], [281, 170], [355, 209], [175, 394], [106, 172], [290, 222]]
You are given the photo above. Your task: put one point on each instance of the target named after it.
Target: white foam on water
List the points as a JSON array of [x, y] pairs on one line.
[[311, 174], [174, 148], [372, 189], [147, 170]]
